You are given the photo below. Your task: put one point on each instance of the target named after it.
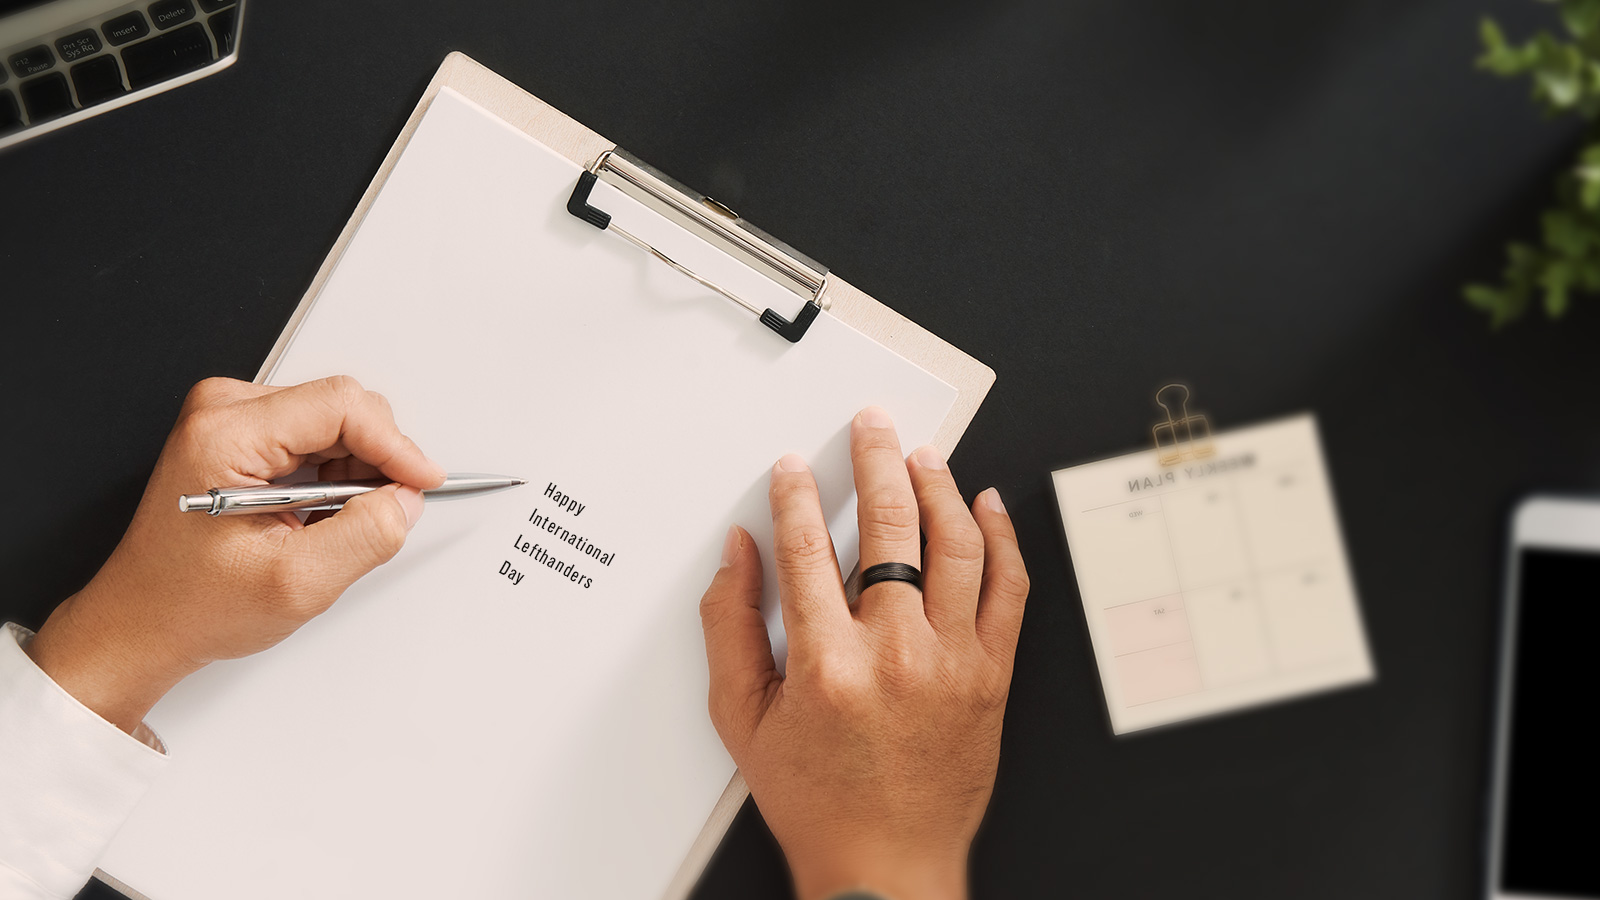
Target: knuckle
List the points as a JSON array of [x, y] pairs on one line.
[[288, 584], [889, 511], [1011, 582], [805, 549], [387, 533], [208, 392], [874, 439], [726, 720], [991, 691], [344, 390], [902, 671], [715, 613], [790, 491], [379, 532], [381, 402], [199, 429], [961, 544], [838, 687], [737, 711], [721, 707]]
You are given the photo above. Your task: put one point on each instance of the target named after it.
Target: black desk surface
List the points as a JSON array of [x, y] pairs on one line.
[[1275, 202]]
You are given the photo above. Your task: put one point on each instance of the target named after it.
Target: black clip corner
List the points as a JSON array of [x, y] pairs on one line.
[[578, 203], [792, 331]]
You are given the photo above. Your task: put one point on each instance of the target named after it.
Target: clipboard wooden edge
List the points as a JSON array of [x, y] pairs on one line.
[[548, 125]]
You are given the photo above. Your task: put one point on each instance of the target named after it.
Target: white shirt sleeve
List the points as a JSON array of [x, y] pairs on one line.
[[70, 779]]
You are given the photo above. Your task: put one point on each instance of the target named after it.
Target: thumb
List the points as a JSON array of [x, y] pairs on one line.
[[743, 674], [366, 533]]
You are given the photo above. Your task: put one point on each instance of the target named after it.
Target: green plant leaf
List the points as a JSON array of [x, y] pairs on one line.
[[1564, 76], [1563, 233], [1582, 17], [1494, 40], [1586, 274], [1484, 297], [1589, 190], [1555, 295], [1557, 73], [1498, 56]]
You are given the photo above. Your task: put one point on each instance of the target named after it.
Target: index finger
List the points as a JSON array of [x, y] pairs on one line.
[[332, 412], [809, 586]]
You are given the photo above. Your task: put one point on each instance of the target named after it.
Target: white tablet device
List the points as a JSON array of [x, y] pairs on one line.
[[1547, 780]]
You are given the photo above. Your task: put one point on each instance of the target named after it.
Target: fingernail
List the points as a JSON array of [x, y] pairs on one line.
[[876, 417], [443, 472], [411, 501], [929, 457], [991, 499], [730, 547], [791, 462]]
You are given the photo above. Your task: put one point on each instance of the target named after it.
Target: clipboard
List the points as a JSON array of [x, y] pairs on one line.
[[602, 159], [812, 287]]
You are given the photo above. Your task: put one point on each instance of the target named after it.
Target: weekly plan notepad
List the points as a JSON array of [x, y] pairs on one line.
[[1216, 582], [515, 706]]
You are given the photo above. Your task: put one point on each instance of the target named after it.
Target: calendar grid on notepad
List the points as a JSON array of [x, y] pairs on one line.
[[1241, 593]]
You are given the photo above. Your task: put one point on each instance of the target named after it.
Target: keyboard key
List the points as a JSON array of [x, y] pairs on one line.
[[168, 13], [97, 80], [32, 61], [80, 45], [46, 97], [10, 115], [126, 28], [222, 29], [167, 56], [214, 5]]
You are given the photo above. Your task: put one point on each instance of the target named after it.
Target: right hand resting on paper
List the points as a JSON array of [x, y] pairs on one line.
[[184, 589], [873, 759]]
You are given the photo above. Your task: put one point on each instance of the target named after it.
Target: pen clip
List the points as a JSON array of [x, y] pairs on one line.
[[255, 500], [267, 497]]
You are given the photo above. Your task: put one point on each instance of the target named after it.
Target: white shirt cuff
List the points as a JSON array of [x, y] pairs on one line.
[[70, 777]]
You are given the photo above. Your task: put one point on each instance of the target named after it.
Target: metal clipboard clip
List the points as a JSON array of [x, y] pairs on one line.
[[713, 222], [1181, 436]]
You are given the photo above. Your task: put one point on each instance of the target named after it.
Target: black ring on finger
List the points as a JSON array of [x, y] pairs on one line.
[[891, 571]]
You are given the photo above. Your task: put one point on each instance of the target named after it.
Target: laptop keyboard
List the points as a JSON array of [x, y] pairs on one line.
[[104, 60]]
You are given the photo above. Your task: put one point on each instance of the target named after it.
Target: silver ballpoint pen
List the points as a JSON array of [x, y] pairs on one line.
[[312, 495]]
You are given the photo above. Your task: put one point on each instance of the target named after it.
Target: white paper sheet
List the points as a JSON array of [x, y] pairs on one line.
[[1215, 583], [448, 731]]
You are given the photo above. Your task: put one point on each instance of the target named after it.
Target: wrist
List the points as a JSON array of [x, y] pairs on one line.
[[888, 878], [89, 659]]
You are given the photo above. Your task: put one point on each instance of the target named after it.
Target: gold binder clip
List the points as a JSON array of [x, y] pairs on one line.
[[1181, 436]]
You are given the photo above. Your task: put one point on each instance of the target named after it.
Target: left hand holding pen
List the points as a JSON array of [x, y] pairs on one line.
[[183, 590]]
